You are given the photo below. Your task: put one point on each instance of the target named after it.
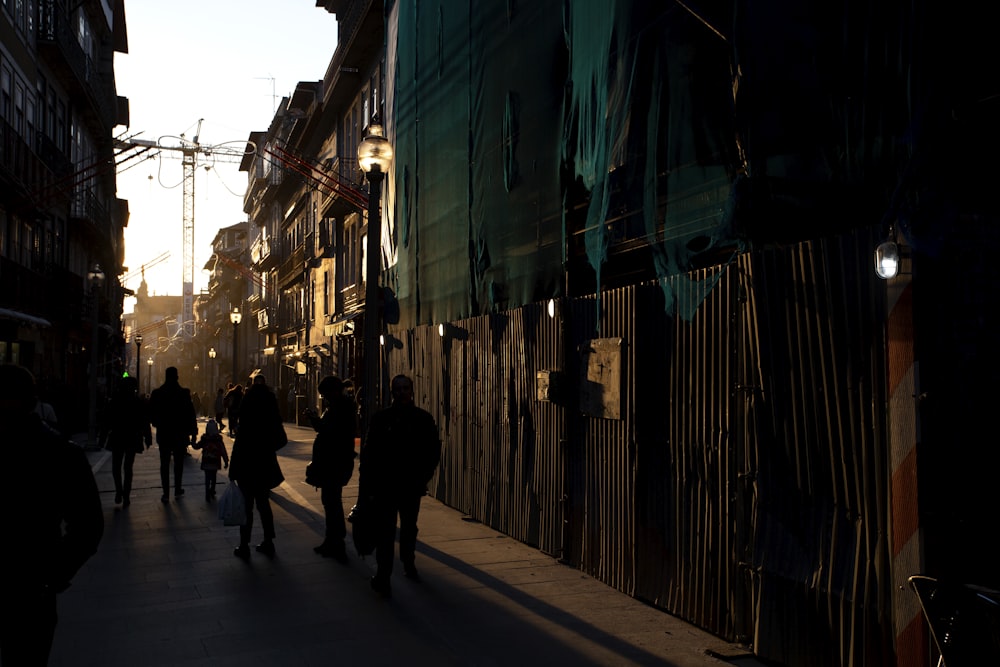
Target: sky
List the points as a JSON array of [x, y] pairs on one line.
[[226, 63]]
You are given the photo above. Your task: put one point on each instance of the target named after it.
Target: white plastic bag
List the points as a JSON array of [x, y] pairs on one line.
[[232, 506]]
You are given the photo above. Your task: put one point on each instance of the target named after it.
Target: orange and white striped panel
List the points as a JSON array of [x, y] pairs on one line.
[[907, 539]]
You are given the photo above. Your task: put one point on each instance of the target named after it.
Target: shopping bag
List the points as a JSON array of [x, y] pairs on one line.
[[232, 507], [363, 526]]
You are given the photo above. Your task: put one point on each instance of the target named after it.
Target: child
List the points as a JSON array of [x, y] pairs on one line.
[[213, 454]]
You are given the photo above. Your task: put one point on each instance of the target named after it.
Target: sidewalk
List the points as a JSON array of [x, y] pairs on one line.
[[165, 589]]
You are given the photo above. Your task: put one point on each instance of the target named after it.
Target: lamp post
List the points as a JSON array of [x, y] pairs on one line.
[[138, 350], [149, 382], [96, 279], [374, 156], [235, 317]]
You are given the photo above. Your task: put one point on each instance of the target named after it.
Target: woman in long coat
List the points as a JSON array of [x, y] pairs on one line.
[[254, 465], [129, 430], [332, 461]]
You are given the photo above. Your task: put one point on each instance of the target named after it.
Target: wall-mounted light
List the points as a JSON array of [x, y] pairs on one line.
[[887, 257], [552, 308], [449, 331]]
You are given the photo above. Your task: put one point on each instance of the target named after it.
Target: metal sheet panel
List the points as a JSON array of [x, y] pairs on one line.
[[743, 484]]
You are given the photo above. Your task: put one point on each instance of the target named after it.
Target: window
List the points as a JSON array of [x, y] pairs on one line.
[[29, 120], [60, 136], [326, 293], [365, 109], [18, 120], [6, 82]]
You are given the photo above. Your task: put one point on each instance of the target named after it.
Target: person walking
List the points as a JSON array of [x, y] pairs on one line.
[[220, 407], [213, 456], [401, 452], [45, 410], [234, 401], [332, 461], [254, 462], [51, 532], [172, 414], [129, 430]]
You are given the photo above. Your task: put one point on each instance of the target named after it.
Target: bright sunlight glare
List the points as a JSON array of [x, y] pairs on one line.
[[226, 63]]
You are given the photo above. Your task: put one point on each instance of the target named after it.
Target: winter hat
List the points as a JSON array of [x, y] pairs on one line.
[[211, 428], [331, 385]]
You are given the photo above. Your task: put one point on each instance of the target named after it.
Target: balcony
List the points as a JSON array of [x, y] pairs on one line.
[[20, 165], [266, 321], [346, 176], [88, 208], [56, 160], [293, 268], [260, 250], [58, 46], [360, 36]]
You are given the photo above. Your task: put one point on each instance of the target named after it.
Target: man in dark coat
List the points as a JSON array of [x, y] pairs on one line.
[[398, 459], [253, 464], [332, 461], [172, 415], [128, 430], [51, 531]]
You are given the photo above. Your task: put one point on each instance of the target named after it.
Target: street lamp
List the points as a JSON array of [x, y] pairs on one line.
[[211, 372], [374, 156], [96, 279], [149, 364], [138, 350], [235, 317]]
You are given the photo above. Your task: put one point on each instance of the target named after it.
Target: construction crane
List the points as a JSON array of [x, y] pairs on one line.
[[190, 151]]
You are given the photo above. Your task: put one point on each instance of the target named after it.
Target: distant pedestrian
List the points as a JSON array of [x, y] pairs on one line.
[[129, 430], [401, 452], [290, 401], [220, 407], [51, 530], [234, 402], [196, 402], [332, 461], [172, 414], [254, 464], [47, 414], [213, 456]]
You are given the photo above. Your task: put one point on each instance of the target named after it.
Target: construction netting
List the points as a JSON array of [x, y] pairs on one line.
[[521, 127]]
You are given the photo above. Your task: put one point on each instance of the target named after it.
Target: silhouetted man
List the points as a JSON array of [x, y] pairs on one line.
[[399, 458], [51, 528], [172, 414]]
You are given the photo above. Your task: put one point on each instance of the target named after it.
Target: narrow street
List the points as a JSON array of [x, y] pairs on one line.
[[165, 589]]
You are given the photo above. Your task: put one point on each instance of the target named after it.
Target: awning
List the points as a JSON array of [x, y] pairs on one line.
[[342, 325], [23, 318], [320, 350]]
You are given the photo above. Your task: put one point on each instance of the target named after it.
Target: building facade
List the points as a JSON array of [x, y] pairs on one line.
[[59, 213]]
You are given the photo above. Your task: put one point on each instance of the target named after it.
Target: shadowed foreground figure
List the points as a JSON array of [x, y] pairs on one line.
[[50, 531], [332, 462], [254, 465], [172, 413], [128, 431], [399, 458]]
